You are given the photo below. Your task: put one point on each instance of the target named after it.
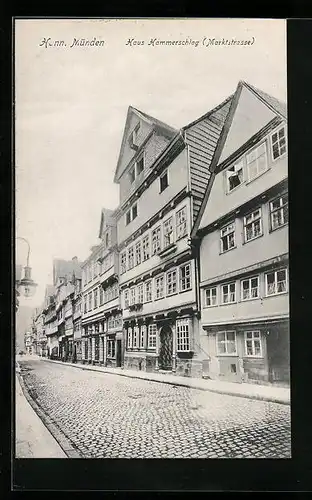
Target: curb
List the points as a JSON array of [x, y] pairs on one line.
[[258, 397], [64, 442]]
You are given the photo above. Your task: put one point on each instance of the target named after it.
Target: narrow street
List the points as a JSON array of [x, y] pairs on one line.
[[109, 416]]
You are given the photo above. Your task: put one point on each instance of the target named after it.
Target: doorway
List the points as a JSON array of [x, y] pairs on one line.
[[118, 353], [166, 347]]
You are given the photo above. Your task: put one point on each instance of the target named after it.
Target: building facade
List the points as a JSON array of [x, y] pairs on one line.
[[101, 314], [162, 174], [242, 234], [39, 331], [77, 312], [50, 322]]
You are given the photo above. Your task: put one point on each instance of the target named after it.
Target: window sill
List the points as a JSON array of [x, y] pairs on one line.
[[277, 228], [229, 250], [257, 177], [235, 189], [252, 239], [208, 307], [228, 303], [274, 295], [228, 355], [168, 250], [249, 356]]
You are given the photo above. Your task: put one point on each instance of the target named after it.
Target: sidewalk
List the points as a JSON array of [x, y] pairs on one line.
[[251, 391], [32, 438]]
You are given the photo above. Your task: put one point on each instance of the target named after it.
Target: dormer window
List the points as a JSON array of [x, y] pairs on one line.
[[134, 144], [137, 168]]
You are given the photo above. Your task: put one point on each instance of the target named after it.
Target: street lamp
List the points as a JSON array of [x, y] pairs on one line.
[[26, 285]]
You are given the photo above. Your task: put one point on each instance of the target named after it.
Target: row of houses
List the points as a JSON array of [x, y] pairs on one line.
[[191, 272]]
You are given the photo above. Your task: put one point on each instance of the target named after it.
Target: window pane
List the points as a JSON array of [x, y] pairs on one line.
[[231, 336], [249, 347], [231, 347], [221, 347]]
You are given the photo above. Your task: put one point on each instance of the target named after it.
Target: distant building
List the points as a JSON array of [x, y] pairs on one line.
[[242, 231], [101, 313]]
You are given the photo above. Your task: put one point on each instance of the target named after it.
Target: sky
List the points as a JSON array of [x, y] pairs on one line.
[[71, 105]]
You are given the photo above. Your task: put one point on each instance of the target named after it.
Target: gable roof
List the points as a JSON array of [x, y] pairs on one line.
[[155, 124], [107, 216], [66, 269], [271, 102]]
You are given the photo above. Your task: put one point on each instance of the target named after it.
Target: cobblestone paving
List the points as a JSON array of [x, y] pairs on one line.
[[108, 416]]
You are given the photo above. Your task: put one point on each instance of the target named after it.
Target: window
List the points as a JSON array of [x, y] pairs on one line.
[[151, 339], [181, 223], [133, 139], [250, 288], [140, 293], [226, 343], [145, 247], [130, 257], [183, 334], [156, 240], [110, 348], [131, 214], [163, 181], [278, 140], [234, 176], [253, 225], [132, 175], [168, 232], [129, 343], [126, 299], [135, 344], [257, 161], [85, 303], [185, 277], [142, 336], [90, 301], [228, 293], [140, 165], [253, 345], [211, 297], [159, 287], [276, 282], [171, 282], [95, 298], [279, 211], [138, 253], [132, 296], [123, 262], [148, 291], [227, 236]]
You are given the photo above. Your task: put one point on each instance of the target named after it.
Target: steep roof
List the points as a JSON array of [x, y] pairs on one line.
[[278, 106], [152, 122], [66, 269]]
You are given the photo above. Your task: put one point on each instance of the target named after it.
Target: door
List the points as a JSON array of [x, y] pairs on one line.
[[118, 353], [165, 350]]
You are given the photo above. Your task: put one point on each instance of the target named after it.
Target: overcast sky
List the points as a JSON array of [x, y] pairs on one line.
[[71, 105]]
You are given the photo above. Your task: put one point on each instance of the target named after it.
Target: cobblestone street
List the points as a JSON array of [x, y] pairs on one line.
[[109, 416]]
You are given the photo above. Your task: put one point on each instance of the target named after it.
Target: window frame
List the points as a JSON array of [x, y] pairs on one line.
[[226, 341], [275, 210], [145, 247], [252, 340], [276, 131], [158, 249], [163, 175], [259, 209], [126, 298], [226, 226], [179, 224], [168, 223], [140, 293], [275, 271], [162, 278], [205, 296], [138, 245], [235, 293], [241, 161], [140, 157], [148, 282], [248, 153], [181, 323], [175, 273], [152, 336], [123, 265], [257, 276], [181, 267]]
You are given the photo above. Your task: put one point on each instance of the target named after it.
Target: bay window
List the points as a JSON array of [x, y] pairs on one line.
[[181, 228], [171, 282], [168, 232], [185, 277], [159, 287], [148, 291], [156, 246]]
